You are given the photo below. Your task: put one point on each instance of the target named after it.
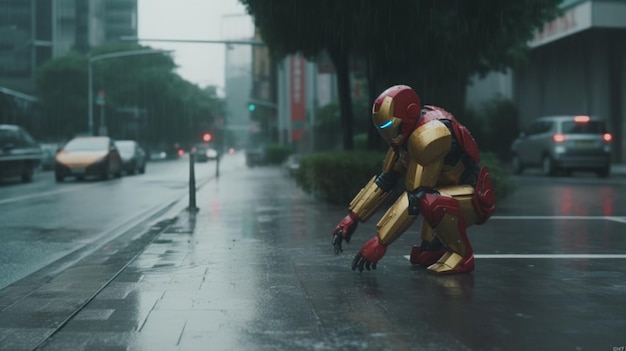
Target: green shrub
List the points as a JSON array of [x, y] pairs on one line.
[[360, 141], [277, 153], [336, 177], [494, 126], [501, 182]]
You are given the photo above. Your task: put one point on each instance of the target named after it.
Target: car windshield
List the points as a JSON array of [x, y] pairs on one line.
[[87, 144], [6, 137], [591, 127], [125, 147], [203, 146]]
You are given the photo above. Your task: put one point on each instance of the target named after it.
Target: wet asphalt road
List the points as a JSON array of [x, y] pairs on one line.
[[254, 270], [44, 221]]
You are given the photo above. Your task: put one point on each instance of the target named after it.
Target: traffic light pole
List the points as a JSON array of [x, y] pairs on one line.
[[217, 165]]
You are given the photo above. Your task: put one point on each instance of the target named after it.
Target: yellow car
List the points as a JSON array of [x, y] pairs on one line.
[[88, 156]]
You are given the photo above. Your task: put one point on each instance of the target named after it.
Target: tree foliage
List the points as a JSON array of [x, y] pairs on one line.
[[432, 45], [144, 97]]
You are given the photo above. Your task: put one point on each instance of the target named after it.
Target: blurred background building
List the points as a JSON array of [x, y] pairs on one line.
[[238, 80], [262, 104], [35, 31]]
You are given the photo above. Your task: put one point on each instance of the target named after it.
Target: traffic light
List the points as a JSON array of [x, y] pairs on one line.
[[251, 107], [206, 137]]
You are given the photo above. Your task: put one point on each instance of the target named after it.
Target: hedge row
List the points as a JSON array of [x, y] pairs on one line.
[[336, 177]]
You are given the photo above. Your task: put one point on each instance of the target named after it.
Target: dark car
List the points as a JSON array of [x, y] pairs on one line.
[[88, 156], [133, 156], [204, 152], [565, 143], [20, 154]]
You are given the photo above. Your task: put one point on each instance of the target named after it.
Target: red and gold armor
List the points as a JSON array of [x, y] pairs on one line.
[[445, 184]]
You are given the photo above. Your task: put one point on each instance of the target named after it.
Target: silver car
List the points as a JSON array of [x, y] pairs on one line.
[[566, 143]]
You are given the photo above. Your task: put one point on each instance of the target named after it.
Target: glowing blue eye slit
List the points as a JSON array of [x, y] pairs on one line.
[[388, 124]]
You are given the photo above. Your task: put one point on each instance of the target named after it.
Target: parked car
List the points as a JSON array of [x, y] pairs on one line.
[[20, 154], [134, 158], [566, 143], [48, 155], [255, 156], [88, 156], [165, 151], [204, 152]]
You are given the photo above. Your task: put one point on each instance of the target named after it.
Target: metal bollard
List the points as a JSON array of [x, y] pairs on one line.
[[192, 184], [217, 165]]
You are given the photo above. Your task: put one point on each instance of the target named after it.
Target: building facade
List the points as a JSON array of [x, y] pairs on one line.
[[238, 76], [33, 32]]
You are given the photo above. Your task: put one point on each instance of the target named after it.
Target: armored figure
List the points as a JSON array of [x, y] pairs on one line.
[[445, 184]]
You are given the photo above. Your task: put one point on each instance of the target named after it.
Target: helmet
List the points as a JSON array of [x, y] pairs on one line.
[[395, 113]]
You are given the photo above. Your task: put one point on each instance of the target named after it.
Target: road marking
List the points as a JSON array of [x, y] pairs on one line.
[[32, 196], [567, 256], [554, 256], [620, 219]]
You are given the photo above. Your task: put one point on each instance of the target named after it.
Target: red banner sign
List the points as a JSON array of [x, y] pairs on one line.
[[298, 97]]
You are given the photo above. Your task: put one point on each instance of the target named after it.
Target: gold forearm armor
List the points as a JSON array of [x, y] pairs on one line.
[[369, 199], [395, 221]]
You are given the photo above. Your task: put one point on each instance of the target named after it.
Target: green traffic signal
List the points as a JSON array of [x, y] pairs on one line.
[[251, 107]]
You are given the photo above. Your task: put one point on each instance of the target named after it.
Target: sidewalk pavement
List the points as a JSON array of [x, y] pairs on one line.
[[214, 279]]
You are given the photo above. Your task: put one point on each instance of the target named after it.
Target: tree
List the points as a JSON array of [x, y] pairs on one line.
[[62, 89], [174, 109], [432, 45]]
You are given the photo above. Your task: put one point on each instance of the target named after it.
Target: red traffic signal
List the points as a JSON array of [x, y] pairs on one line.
[[206, 137]]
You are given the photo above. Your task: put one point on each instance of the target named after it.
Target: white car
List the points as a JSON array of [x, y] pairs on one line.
[[566, 143]]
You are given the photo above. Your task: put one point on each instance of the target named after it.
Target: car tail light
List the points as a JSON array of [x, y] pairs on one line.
[[607, 137], [558, 138], [581, 119], [181, 152]]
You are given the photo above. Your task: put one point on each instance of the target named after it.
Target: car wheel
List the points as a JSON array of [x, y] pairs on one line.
[[548, 166], [142, 170], [106, 174], [59, 178], [27, 174], [517, 165]]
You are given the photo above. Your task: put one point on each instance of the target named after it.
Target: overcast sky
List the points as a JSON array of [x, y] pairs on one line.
[[202, 64]]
